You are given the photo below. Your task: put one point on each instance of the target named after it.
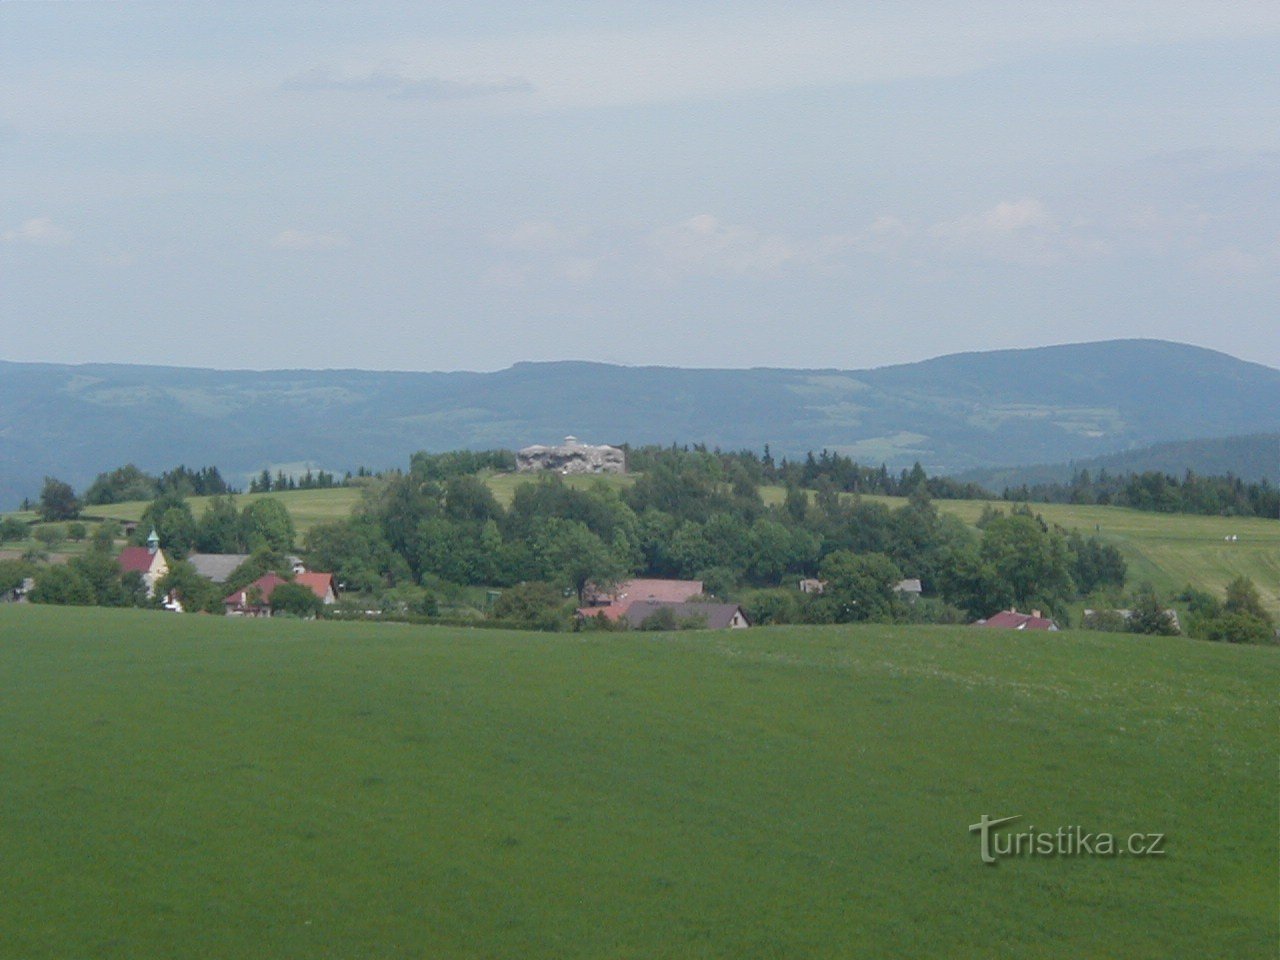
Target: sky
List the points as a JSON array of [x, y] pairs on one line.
[[699, 184]]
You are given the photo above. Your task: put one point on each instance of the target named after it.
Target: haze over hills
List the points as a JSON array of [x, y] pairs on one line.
[[953, 413]]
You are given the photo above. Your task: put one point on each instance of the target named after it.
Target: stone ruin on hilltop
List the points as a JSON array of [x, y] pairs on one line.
[[572, 457]]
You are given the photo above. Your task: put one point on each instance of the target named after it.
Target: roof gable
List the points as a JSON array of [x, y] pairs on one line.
[[136, 559]]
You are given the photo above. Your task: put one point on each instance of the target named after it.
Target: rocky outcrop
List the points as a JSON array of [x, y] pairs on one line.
[[572, 457]]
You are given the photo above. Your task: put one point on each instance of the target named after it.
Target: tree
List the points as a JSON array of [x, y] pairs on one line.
[[859, 587], [170, 516], [297, 600], [58, 500], [13, 572], [219, 529], [104, 536], [123, 483], [196, 593], [266, 523], [1148, 615], [1243, 598], [1032, 561], [536, 603], [76, 531], [108, 585], [61, 585], [49, 534]]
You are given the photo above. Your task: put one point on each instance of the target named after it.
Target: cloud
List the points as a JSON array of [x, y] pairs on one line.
[[1005, 218], [535, 236], [397, 85], [702, 244], [1016, 231], [40, 231], [306, 240]]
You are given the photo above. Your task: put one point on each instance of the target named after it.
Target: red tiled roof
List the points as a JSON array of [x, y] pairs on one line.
[[1012, 620], [266, 583], [319, 583], [135, 559], [631, 591]]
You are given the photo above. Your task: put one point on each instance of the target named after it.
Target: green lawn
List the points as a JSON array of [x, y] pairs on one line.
[[206, 787]]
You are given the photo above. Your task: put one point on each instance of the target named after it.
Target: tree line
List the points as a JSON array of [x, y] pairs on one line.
[[1227, 496]]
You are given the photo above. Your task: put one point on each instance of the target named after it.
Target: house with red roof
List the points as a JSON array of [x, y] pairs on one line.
[[323, 585], [149, 561], [255, 599], [613, 605], [1011, 619]]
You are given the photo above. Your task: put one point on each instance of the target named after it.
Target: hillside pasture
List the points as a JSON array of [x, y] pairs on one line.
[[209, 787]]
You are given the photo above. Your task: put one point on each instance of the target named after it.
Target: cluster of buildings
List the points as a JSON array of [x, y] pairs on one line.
[[637, 600], [253, 600]]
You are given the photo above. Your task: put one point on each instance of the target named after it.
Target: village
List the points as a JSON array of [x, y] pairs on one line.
[[685, 544]]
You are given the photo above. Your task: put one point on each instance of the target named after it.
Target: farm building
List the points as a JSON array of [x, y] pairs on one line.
[[714, 616]]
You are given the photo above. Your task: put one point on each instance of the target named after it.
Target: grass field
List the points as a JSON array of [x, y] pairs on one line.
[[205, 787]]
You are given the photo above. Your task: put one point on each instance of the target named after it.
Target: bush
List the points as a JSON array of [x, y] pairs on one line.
[[1239, 628], [536, 603], [13, 529]]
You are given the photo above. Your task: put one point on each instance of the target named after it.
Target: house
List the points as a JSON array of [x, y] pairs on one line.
[[810, 585], [910, 589], [716, 616], [1013, 620], [255, 599], [148, 561], [323, 585], [613, 605], [216, 566]]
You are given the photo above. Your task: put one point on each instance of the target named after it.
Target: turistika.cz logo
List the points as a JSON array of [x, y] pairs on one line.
[[1070, 841]]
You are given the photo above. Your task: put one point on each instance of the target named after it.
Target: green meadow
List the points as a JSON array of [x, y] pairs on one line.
[[207, 787]]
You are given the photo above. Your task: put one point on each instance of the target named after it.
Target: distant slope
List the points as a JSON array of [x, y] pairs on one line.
[[1253, 458], [952, 413]]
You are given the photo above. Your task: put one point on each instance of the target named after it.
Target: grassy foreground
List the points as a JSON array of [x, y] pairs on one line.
[[202, 787]]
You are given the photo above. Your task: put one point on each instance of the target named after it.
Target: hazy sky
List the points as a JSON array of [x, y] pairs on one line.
[[695, 183]]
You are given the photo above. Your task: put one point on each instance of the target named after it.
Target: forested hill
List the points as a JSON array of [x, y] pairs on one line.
[[1251, 458], [952, 413]]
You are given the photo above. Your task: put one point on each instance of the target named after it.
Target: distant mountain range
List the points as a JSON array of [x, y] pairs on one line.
[[1253, 458], [953, 413]]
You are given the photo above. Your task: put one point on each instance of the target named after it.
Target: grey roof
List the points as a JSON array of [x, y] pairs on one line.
[[717, 615], [909, 586], [216, 566]]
